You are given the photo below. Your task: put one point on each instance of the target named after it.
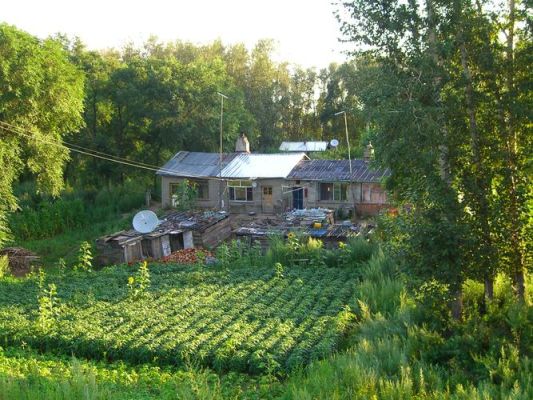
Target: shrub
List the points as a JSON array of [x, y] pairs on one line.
[[4, 266], [85, 258]]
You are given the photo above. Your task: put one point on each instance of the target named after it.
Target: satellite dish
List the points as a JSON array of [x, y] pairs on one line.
[[254, 184], [145, 221], [334, 143]]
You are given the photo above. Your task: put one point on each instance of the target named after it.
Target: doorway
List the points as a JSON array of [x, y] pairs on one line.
[[297, 197], [266, 200]]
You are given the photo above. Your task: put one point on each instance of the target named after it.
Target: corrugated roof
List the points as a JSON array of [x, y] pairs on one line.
[[337, 170], [195, 164], [303, 146], [246, 165]]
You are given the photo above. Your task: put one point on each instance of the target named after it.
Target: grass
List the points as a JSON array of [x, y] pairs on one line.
[[66, 245], [387, 348], [392, 355], [26, 374]]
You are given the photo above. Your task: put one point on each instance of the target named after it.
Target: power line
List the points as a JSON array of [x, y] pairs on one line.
[[88, 152], [67, 144]]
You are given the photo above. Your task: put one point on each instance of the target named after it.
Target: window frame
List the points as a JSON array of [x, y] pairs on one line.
[[339, 191], [242, 186], [196, 182]]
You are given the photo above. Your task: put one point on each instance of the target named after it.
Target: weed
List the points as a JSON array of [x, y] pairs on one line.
[[85, 258], [4, 266]]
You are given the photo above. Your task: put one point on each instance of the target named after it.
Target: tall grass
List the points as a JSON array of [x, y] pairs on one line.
[[26, 375], [42, 217], [393, 355]]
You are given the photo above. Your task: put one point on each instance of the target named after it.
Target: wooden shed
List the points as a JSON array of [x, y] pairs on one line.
[[161, 244], [118, 248], [208, 228]]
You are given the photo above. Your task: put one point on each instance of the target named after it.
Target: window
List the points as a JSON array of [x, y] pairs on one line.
[[201, 186], [333, 191], [267, 190], [241, 190]]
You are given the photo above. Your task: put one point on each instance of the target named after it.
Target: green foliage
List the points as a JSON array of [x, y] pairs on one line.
[[26, 374], [85, 258], [237, 319], [42, 217], [295, 251], [383, 340], [185, 196], [139, 284], [393, 354], [4, 266], [41, 92], [278, 270], [61, 265], [48, 308], [443, 86], [66, 245]]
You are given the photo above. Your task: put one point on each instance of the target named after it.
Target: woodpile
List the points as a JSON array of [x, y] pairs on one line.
[[187, 256], [20, 259]]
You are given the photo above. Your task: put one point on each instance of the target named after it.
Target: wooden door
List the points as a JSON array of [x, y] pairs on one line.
[[266, 200], [297, 198]]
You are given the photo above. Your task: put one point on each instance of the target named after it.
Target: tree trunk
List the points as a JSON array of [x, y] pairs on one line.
[[457, 304], [481, 189], [517, 258], [444, 164], [489, 287]]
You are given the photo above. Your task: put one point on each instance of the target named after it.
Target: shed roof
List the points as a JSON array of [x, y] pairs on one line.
[[195, 164], [251, 165], [337, 170], [303, 146]]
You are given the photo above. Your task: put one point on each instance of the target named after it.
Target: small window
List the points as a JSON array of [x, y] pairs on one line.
[[333, 191], [240, 190], [201, 186], [326, 191], [267, 190]]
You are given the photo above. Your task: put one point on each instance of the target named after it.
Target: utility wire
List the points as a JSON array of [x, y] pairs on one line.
[[93, 153], [66, 144]]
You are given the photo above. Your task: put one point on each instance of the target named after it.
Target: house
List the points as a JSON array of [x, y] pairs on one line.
[[337, 185], [239, 182], [244, 182]]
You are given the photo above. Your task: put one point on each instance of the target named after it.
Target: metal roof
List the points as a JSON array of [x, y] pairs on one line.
[[303, 146], [337, 170], [195, 164], [250, 165]]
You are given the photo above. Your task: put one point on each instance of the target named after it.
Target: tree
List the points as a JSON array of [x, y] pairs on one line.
[[441, 88], [41, 93]]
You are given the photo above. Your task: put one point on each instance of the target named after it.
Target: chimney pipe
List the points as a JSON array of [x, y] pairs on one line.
[[369, 152], [242, 145]]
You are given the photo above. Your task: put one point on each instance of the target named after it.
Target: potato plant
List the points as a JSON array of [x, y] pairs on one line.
[[238, 319]]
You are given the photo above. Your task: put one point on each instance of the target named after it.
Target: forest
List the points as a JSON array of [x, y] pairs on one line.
[[436, 304]]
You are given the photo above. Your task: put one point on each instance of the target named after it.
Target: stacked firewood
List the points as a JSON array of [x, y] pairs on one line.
[[187, 256]]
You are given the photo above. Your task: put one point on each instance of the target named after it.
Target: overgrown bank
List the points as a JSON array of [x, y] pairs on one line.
[[396, 345]]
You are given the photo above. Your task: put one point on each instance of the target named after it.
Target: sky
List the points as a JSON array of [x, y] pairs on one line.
[[305, 31]]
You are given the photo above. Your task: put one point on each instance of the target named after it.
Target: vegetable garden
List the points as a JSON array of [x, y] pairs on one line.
[[245, 319]]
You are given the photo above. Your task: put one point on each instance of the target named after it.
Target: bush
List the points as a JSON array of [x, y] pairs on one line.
[[42, 217], [4, 266]]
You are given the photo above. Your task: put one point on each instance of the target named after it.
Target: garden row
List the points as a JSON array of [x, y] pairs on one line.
[[250, 320]]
